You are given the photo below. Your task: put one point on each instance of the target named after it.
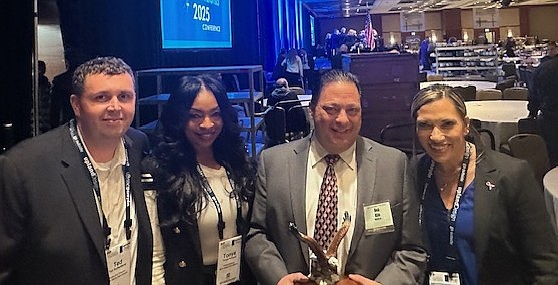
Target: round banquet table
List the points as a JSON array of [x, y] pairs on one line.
[[498, 116], [463, 83], [550, 182]]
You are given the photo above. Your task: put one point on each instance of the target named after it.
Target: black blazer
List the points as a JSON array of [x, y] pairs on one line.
[[514, 239], [50, 231], [183, 254]]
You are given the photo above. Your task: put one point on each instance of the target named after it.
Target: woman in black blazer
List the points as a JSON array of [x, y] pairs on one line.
[[204, 180], [483, 212]]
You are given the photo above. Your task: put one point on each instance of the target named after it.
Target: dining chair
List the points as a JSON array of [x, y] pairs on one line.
[[527, 125], [505, 84], [275, 126], [489, 94], [532, 148], [468, 93], [434, 77], [401, 136], [516, 93], [297, 90], [298, 125], [486, 136]]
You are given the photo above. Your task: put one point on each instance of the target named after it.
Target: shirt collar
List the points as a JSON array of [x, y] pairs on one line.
[[318, 152], [119, 157]]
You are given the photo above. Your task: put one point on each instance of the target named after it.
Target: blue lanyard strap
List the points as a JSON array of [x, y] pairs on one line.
[[460, 187], [96, 186], [211, 194]]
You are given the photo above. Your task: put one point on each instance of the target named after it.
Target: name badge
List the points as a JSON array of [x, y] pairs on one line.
[[443, 278], [228, 262], [378, 218], [118, 263]]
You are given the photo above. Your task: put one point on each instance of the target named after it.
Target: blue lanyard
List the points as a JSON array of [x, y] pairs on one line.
[[458, 194], [211, 194], [97, 188]]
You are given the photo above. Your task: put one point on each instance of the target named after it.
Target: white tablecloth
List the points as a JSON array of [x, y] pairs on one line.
[[498, 116], [478, 84], [550, 182]]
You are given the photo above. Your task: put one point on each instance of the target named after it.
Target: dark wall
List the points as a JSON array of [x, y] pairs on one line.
[[17, 30]]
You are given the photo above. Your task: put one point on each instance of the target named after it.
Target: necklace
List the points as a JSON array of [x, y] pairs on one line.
[[449, 178]]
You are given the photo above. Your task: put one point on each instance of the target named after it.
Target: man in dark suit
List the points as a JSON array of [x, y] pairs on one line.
[[370, 179], [72, 208]]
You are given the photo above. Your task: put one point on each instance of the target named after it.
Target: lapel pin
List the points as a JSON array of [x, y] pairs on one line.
[[490, 185]]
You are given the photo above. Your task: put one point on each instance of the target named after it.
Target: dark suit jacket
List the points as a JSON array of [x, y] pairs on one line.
[[514, 239], [50, 231], [272, 251]]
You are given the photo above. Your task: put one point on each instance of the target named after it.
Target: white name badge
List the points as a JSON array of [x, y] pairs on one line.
[[378, 218], [118, 263], [228, 262], [443, 278]]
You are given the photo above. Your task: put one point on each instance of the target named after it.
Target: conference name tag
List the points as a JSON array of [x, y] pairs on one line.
[[228, 262], [118, 263], [378, 218], [443, 278]]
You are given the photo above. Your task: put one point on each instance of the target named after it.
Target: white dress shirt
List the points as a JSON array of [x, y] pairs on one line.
[[111, 183], [346, 173]]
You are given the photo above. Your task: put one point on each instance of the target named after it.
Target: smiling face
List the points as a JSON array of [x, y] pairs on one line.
[[337, 116], [441, 130], [106, 107], [204, 123]]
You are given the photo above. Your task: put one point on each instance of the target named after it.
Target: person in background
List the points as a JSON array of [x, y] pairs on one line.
[[294, 70], [424, 54], [483, 212], [279, 70], [72, 209], [60, 108], [369, 178], [44, 98], [282, 93], [327, 45], [337, 59], [551, 53], [543, 104], [307, 68], [204, 181]]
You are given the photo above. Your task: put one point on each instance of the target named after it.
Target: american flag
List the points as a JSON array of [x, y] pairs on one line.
[[369, 32]]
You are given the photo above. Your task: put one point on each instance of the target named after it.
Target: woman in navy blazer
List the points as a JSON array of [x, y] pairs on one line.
[[483, 212]]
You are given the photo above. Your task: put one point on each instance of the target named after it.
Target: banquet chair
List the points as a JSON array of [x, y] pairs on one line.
[[297, 124], [516, 93], [434, 77], [486, 136], [505, 84], [275, 126], [468, 93], [509, 69], [488, 94], [527, 125], [297, 90], [532, 148], [401, 136]]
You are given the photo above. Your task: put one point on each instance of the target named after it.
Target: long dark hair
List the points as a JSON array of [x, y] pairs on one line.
[[176, 176]]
